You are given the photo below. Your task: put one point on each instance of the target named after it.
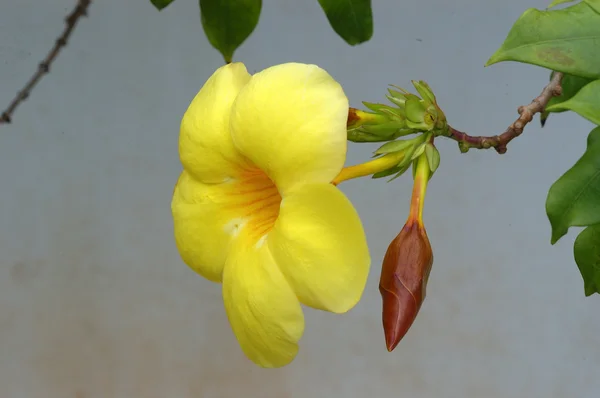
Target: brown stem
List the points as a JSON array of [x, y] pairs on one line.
[[79, 11], [526, 112]]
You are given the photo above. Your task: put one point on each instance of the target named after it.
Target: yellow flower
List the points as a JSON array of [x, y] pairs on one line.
[[254, 207]]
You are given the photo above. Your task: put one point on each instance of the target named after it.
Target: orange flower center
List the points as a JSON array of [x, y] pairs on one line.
[[256, 200]]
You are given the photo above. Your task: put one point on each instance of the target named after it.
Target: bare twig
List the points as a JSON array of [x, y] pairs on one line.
[[71, 20], [526, 112]]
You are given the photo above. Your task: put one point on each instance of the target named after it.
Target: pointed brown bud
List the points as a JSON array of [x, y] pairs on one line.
[[403, 282]]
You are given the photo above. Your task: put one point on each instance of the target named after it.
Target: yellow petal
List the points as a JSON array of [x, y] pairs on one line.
[[290, 120], [205, 146], [263, 311], [320, 246], [203, 230], [207, 217]]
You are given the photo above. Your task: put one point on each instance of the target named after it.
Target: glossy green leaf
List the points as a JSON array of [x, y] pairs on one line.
[[228, 23], [557, 2], [593, 137], [160, 4], [565, 40], [574, 199], [586, 102], [587, 256], [352, 20]]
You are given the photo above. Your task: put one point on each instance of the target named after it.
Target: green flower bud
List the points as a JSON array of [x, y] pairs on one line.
[[384, 128], [425, 91], [397, 101]]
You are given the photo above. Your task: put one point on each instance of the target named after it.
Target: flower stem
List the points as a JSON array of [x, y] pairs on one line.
[[526, 113], [419, 190], [371, 167]]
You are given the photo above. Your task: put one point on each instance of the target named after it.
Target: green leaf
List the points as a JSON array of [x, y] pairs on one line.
[[593, 137], [160, 4], [586, 102], [565, 40], [228, 23], [595, 4], [557, 2], [574, 199], [570, 86], [352, 20], [586, 251]]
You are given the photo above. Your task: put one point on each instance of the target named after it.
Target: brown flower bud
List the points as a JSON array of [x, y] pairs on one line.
[[404, 276]]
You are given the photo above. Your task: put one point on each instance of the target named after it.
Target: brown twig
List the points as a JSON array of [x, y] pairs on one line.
[[79, 11], [526, 112]]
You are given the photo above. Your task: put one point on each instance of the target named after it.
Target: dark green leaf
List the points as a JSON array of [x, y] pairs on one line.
[[574, 199], [593, 137], [160, 4], [352, 20], [586, 102], [228, 23], [587, 256], [565, 40]]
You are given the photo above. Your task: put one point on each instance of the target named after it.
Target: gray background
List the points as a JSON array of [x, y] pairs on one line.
[[96, 303]]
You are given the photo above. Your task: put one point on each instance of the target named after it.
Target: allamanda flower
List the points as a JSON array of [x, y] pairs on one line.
[[254, 207]]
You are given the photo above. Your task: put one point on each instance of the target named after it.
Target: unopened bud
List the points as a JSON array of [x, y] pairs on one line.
[[406, 267], [357, 118]]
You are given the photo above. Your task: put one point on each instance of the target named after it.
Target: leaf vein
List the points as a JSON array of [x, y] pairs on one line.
[[554, 40]]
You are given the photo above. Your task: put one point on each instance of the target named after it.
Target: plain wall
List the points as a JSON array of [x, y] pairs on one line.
[[95, 301]]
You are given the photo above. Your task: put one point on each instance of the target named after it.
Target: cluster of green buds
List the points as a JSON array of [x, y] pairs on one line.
[[409, 114], [409, 258]]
